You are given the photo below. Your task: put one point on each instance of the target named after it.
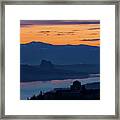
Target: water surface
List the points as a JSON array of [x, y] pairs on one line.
[[28, 89]]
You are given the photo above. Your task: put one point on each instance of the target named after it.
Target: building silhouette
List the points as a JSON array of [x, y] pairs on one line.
[[76, 91]]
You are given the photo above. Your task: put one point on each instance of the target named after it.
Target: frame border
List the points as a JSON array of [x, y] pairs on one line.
[[62, 2]]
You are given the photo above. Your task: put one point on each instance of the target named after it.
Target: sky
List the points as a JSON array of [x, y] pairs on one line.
[[60, 32]]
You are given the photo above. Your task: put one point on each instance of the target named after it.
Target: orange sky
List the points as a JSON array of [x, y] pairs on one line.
[[74, 34]]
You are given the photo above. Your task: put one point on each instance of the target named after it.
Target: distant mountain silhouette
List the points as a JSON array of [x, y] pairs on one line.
[[46, 65], [49, 71], [32, 53]]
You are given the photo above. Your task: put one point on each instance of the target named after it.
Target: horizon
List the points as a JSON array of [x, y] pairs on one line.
[[57, 45]]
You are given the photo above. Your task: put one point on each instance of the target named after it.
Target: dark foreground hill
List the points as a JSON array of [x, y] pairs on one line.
[[74, 92]]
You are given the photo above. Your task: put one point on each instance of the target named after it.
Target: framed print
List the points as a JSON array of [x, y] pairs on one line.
[[59, 59]]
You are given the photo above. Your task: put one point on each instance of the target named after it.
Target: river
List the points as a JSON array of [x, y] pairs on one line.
[[27, 89]]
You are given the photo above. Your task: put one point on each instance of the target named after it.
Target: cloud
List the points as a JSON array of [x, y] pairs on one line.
[[91, 40], [44, 31], [65, 33], [69, 32], [22, 25], [57, 22], [60, 34], [93, 28]]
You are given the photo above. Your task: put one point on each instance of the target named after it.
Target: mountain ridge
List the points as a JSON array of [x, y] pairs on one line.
[[34, 42], [34, 52]]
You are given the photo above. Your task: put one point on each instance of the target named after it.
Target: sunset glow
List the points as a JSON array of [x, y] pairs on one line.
[[61, 34]]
